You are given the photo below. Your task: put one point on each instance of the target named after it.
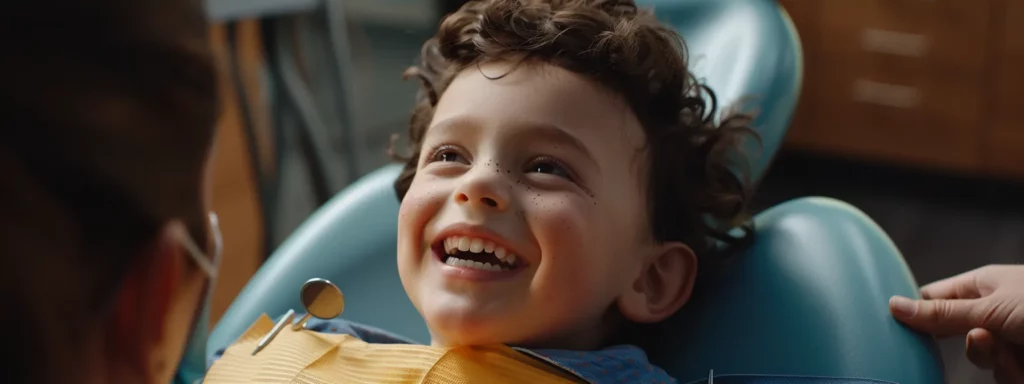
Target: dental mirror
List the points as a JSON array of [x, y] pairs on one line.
[[322, 300]]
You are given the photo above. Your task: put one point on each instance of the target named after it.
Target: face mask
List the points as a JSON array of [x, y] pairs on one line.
[[193, 363]]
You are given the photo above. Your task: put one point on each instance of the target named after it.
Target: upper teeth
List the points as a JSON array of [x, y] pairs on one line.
[[471, 244]]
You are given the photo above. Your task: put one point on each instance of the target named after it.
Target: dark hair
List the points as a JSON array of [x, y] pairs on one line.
[[108, 114], [698, 186]]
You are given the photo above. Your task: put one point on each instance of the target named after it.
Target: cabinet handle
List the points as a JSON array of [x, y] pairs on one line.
[[894, 43], [888, 95]]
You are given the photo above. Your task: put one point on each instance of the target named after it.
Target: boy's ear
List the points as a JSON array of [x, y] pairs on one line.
[[663, 285]]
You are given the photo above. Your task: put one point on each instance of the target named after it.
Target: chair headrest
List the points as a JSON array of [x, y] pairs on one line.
[[748, 52]]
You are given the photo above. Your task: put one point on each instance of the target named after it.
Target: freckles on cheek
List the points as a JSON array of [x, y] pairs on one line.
[[561, 215]]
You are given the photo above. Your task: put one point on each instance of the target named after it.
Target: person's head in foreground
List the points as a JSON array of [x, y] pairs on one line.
[[109, 109], [565, 175]]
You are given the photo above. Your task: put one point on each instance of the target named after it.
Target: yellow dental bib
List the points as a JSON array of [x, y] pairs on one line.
[[312, 357]]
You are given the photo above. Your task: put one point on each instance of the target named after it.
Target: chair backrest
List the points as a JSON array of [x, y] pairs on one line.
[[809, 298]]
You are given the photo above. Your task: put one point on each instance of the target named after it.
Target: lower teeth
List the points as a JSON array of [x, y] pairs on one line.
[[457, 262]]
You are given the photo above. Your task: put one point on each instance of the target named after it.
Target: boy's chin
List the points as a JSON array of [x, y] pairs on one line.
[[466, 329]]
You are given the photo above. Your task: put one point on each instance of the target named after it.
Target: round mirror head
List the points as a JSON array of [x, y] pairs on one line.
[[322, 299]]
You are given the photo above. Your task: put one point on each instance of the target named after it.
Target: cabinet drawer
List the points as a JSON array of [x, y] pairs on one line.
[[946, 34], [895, 116]]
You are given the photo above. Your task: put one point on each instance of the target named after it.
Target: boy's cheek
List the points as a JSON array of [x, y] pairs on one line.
[[563, 230], [575, 233], [421, 199], [417, 209]]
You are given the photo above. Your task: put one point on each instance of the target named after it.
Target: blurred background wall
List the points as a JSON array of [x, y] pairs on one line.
[[909, 111]]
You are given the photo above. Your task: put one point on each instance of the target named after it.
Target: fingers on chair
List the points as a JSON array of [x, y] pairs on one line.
[[963, 286], [943, 317]]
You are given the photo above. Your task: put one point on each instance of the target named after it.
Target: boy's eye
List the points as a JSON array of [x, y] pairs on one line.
[[448, 154], [550, 167]]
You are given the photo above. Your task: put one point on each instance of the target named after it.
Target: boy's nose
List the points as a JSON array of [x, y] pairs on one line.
[[482, 192]]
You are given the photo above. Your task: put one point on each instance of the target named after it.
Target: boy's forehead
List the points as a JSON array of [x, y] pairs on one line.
[[539, 99]]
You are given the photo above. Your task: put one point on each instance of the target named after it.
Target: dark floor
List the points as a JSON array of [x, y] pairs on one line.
[[943, 225]]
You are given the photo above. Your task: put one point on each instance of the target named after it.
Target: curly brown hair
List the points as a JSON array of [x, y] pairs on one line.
[[698, 183]]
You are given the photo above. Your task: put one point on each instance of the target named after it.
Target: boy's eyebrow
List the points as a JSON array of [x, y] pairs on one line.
[[558, 135]]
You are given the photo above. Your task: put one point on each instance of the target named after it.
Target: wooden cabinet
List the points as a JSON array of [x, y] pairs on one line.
[[914, 82], [1005, 142]]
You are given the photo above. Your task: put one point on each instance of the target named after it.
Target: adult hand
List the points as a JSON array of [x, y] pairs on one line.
[[986, 304]]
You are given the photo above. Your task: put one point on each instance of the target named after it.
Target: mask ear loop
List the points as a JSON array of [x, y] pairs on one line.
[[218, 241], [204, 262]]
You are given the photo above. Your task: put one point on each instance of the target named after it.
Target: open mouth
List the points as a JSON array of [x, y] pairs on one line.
[[476, 253]]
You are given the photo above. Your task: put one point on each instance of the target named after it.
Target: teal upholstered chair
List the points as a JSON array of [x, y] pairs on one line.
[[808, 298]]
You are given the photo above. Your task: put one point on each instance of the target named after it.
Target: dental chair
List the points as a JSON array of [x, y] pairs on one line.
[[808, 299]]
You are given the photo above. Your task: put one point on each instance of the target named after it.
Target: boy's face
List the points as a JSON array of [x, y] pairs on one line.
[[526, 221]]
